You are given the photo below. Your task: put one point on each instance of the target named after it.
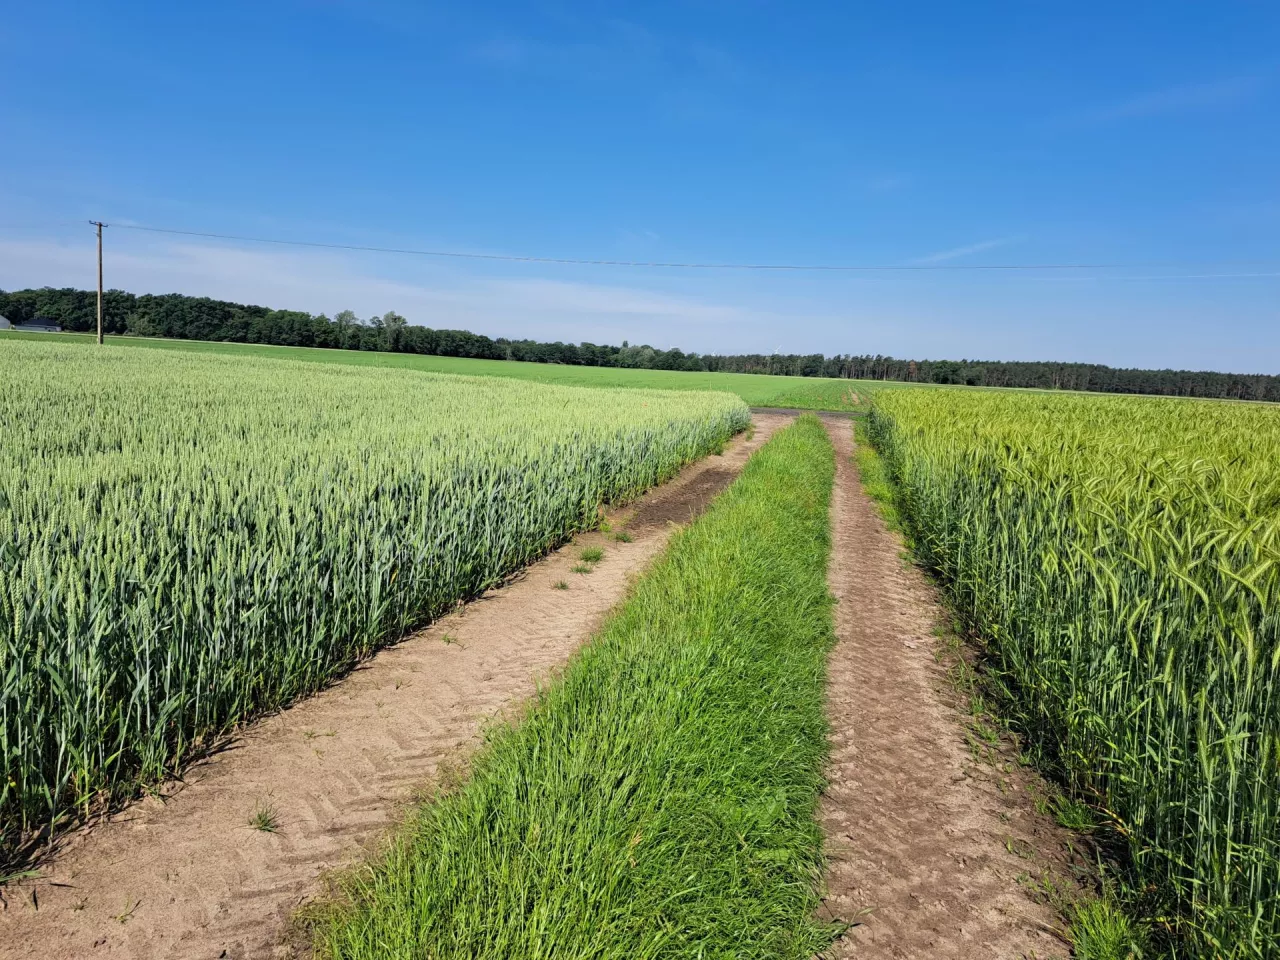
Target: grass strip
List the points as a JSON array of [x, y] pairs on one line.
[[874, 476], [658, 800]]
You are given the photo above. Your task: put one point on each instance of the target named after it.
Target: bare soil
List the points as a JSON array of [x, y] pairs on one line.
[[931, 850], [184, 874]]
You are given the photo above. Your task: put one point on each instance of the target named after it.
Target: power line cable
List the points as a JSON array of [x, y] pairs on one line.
[[695, 265], [572, 261]]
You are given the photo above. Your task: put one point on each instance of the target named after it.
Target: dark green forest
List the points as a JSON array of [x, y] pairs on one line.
[[201, 318]]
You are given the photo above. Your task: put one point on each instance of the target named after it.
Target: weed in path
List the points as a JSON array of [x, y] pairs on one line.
[[622, 536], [265, 817], [591, 555], [581, 568], [985, 732], [560, 585], [123, 916]]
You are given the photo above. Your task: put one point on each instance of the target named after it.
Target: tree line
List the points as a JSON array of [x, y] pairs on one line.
[[202, 318]]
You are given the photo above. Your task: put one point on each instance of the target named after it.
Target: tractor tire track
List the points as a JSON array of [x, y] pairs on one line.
[[923, 850]]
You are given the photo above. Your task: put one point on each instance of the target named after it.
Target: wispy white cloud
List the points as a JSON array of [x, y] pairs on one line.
[[888, 183], [1185, 98], [717, 63], [428, 293], [503, 50], [638, 238], [612, 48], [608, 49], [605, 300], [902, 315], [1264, 212], [955, 253]]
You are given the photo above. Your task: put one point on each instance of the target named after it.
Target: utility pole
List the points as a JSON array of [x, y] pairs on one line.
[[99, 224]]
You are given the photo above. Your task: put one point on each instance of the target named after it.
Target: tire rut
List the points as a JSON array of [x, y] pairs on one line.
[[922, 851]]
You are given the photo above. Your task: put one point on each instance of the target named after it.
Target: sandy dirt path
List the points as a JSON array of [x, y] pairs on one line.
[[187, 877], [923, 847]]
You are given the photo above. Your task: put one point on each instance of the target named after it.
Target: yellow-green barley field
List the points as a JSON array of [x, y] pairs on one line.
[[1121, 558]]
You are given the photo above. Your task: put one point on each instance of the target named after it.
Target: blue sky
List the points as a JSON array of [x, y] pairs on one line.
[[938, 134]]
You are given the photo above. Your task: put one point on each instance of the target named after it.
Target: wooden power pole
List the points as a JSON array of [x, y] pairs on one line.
[[99, 225]]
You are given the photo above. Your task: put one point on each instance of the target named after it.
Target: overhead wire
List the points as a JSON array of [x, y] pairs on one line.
[[745, 266]]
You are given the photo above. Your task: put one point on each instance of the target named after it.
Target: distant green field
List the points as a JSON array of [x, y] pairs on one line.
[[757, 390]]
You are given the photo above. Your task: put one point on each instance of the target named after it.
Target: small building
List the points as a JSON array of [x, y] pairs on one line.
[[36, 325], [5, 324]]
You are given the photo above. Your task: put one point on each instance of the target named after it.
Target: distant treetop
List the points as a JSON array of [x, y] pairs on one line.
[[201, 318]]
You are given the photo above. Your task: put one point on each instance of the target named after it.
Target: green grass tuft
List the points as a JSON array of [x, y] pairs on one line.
[[265, 817], [874, 475], [657, 801], [1074, 814], [591, 555], [1100, 930]]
